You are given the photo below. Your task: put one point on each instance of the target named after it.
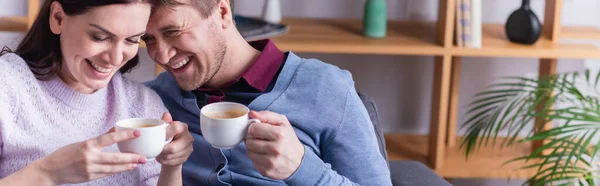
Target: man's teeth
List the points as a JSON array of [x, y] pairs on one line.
[[98, 68], [180, 64]]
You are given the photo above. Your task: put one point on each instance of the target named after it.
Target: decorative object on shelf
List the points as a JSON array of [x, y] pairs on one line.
[[272, 11], [569, 154], [253, 29], [375, 19], [523, 26]]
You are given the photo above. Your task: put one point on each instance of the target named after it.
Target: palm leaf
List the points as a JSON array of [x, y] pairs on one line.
[[569, 156]]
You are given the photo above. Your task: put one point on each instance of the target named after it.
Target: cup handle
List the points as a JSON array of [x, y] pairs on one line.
[[169, 141], [250, 121]]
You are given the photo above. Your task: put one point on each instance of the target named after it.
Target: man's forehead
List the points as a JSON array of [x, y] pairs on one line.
[[169, 7], [172, 3], [161, 18]]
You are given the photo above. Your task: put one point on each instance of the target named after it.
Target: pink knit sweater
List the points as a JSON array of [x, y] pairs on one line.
[[39, 117]]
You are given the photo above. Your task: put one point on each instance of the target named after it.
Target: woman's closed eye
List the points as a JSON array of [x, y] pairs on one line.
[[99, 38], [133, 40]]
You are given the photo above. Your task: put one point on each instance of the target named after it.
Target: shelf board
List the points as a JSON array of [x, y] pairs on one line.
[[496, 44], [13, 24], [345, 36], [487, 162], [580, 32], [418, 38]]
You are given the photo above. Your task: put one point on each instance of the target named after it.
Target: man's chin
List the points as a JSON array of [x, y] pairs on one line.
[[186, 85]]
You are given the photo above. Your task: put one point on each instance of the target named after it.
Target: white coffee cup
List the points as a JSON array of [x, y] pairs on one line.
[[151, 141], [225, 124]]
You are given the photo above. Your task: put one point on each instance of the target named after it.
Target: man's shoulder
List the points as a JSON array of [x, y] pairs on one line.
[[163, 83], [167, 89], [311, 71]]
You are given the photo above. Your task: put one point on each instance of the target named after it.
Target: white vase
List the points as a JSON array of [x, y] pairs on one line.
[[272, 11]]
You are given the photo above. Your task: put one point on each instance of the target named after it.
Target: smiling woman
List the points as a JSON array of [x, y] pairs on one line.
[[65, 79], [63, 42]]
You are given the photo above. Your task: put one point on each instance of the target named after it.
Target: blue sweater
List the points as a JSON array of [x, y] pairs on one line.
[[329, 118]]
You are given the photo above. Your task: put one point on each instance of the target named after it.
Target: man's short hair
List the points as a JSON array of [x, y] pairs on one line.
[[205, 7]]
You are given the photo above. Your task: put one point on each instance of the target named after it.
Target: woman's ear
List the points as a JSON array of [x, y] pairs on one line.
[[57, 16]]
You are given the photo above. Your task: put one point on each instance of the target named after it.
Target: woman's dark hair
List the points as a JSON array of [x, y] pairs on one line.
[[41, 48]]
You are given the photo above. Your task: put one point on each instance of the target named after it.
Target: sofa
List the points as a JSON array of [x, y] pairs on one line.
[[403, 173]]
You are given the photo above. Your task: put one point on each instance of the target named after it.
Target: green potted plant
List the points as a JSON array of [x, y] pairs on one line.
[[571, 101]]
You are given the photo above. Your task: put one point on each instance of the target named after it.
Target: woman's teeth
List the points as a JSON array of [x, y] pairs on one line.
[[98, 68], [180, 64]]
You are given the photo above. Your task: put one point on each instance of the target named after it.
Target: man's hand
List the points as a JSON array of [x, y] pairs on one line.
[[273, 145], [178, 151]]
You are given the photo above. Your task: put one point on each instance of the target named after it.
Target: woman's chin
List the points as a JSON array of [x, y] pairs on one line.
[[96, 84]]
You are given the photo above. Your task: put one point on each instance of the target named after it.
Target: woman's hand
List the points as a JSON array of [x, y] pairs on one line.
[[178, 151], [85, 161]]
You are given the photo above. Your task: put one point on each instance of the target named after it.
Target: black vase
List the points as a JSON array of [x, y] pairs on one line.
[[523, 26]]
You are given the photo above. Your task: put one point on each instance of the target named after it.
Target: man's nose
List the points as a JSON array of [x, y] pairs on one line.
[[161, 52]]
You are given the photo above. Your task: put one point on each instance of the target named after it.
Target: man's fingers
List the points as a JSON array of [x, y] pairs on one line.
[[176, 146], [175, 159], [264, 131], [167, 117], [175, 128], [269, 117], [260, 146], [114, 137], [119, 158], [260, 161]]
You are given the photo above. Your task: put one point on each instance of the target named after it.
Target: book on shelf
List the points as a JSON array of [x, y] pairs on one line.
[[459, 27], [468, 23], [476, 25], [465, 11], [253, 29]]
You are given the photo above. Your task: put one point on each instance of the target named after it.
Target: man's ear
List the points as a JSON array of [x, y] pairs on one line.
[[225, 13], [57, 16]]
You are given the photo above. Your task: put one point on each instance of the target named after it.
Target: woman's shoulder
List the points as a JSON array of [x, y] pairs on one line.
[[12, 61], [14, 69]]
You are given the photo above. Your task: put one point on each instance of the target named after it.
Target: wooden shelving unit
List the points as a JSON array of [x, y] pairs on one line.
[[21, 23], [438, 149], [586, 33], [13, 24]]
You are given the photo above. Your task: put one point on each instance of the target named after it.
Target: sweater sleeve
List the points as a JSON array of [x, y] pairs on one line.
[[351, 157]]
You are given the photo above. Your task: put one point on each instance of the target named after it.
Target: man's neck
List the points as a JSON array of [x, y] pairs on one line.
[[239, 56]]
